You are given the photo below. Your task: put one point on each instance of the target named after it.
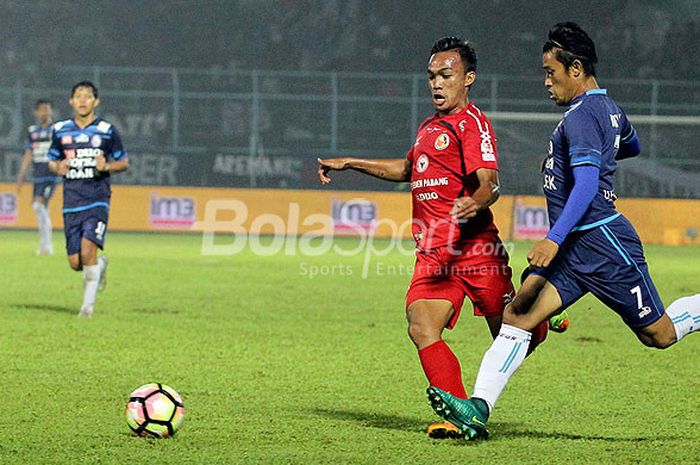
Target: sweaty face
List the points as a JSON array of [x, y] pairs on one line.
[[448, 81], [83, 101], [559, 83]]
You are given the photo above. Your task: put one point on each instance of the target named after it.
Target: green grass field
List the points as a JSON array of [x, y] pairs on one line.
[[278, 367]]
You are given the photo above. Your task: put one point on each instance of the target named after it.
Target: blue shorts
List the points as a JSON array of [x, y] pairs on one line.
[[90, 224], [608, 262], [45, 189]]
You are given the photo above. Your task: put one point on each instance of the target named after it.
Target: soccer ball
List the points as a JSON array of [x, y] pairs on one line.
[[156, 410]]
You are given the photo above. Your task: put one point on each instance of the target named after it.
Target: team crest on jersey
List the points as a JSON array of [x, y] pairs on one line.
[[69, 153], [442, 141], [422, 163], [66, 140], [35, 136], [82, 138], [103, 126], [95, 141]]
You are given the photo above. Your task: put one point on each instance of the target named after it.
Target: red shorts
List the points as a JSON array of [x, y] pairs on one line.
[[475, 268]]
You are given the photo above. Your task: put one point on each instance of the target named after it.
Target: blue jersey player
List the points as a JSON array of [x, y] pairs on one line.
[[590, 247], [36, 149], [85, 150]]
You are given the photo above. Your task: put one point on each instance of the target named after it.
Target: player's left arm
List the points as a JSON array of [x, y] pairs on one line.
[[119, 160], [480, 158], [629, 142], [483, 197], [585, 152], [586, 181], [114, 166]]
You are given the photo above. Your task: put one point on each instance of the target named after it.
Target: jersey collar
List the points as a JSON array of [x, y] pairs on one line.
[[580, 97], [470, 104], [92, 123]]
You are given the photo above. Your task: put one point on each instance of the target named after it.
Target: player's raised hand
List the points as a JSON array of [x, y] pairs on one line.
[[464, 208], [324, 166], [542, 253]]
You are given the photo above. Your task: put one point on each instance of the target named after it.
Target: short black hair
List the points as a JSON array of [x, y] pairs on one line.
[[573, 44], [464, 47], [84, 84], [43, 101]]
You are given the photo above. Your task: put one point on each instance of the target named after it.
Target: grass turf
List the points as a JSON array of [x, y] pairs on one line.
[[278, 366]]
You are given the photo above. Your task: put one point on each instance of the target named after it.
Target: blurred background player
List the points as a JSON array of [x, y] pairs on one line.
[[36, 149], [453, 172], [85, 150], [590, 247]]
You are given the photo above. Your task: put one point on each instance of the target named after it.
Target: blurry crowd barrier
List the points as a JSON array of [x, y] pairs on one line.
[[264, 129], [238, 212]]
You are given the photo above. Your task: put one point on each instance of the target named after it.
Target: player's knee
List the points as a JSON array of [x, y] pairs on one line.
[[662, 340], [658, 335], [88, 257], [422, 334]]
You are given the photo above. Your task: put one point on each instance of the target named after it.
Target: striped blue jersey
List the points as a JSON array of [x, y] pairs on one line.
[[83, 186], [38, 142], [590, 133]]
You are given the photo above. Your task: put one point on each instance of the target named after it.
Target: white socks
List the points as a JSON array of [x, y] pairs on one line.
[[508, 350], [501, 360], [43, 220], [91, 279], [685, 315]]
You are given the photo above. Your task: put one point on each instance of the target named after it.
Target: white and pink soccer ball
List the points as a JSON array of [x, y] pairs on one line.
[[155, 410]]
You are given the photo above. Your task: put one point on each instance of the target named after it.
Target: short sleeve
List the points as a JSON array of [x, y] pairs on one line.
[[409, 155], [55, 152], [478, 143], [585, 140], [627, 132], [117, 148]]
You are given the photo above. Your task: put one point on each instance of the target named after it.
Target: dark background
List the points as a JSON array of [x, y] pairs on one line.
[[248, 93]]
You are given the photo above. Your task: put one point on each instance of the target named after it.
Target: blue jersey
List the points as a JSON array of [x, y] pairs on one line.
[[83, 186], [38, 141], [590, 133]]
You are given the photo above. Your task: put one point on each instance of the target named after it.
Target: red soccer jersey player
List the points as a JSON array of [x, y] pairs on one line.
[[453, 172], [454, 160]]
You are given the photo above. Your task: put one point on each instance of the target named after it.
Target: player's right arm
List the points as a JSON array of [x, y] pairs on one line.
[[390, 169], [26, 161], [58, 164], [60, 167]]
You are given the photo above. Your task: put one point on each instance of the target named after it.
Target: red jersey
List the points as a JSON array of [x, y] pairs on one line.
[[447, 152]]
